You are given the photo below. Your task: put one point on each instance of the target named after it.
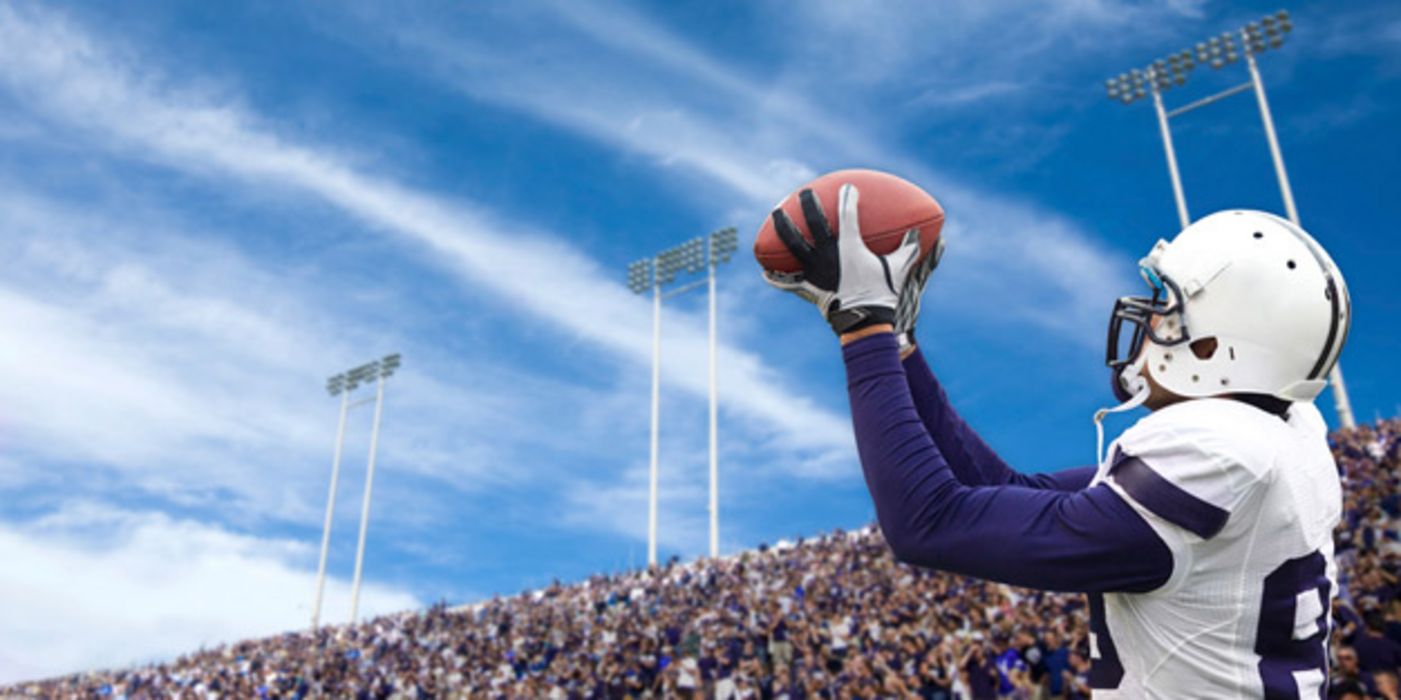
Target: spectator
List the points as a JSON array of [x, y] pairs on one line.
[[1077, 677], [1055, 662], [980, 673], [1374, 651], [1387, 685], [1348, 674]]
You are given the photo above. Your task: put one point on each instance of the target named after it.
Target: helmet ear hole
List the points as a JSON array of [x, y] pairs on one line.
[[1204, 348]]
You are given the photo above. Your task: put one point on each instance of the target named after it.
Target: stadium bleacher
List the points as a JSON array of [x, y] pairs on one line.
[[832, 616]]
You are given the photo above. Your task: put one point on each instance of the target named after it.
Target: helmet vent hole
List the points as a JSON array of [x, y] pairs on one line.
[[1195, 378], [1204, 348], [1259, 235], [1162, 368], [1291, 265], [1233, 352], [1225, 381]]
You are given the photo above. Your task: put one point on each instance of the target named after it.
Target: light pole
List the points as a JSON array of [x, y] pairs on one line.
[[652, 274], [722, 245], [643, 275], [341, 385], [1218, 52], [386, 368], [335, 385], [1159, 76]]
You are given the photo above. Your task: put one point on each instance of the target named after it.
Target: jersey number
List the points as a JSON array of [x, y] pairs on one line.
[[1292, 636]]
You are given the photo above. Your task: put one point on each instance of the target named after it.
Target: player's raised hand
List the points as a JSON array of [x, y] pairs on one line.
[[907, 309], [852, 287]]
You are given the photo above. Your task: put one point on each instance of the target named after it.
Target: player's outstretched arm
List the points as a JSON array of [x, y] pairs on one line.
[[1090, 540], [970, 458]]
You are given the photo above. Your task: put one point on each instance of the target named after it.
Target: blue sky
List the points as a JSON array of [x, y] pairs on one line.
[[205, 210]]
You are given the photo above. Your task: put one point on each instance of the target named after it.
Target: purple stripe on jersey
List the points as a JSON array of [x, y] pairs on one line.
[[971, 459], [1106, 672], [1166, 500], [1088, 540]]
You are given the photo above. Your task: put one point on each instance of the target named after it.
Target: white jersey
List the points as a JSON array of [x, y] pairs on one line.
[[1247, 504]]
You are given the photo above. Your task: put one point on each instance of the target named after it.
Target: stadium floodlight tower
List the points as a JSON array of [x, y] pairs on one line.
[[1218, 52], [651, 274], [342, 385]]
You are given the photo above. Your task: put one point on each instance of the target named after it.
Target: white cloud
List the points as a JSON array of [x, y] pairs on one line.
[[619, 505], [1372, 31], [137, 362], [966, 94], [973, 40], [145, 356], [72, 77], [1010, 260], [75, 79], [175, 364], [93, 587]]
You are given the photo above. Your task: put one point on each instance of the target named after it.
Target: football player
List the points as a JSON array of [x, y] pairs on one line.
[[1204, 536]]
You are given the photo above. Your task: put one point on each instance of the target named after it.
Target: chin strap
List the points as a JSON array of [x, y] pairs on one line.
[[1140, 395]]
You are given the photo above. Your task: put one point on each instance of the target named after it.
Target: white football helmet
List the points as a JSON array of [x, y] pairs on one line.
[[1263, 288]]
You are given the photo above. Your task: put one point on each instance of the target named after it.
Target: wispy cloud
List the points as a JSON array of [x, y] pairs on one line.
[[73, 77], [147, 364], [161, 359], [786, 139], [112, 365], [967, 94], [145, 353], [167, 586], [613, 505], [1364, 31], [907, 44]]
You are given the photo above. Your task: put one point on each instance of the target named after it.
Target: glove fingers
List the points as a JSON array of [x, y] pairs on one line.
[[902, 259], [787, 281], [792, 240], [935, 256], [907, 310], [817, 220], [920, 275], [849, 223], [794, 282]]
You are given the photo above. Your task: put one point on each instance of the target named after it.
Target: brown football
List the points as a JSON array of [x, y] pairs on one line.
[[889, 207]]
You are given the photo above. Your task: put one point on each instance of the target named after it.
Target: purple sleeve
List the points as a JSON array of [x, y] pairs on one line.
[[1089, 540], [972, 461]]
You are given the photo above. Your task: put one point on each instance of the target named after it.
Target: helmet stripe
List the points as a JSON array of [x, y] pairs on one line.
[[1333, 319], [1332, 345]]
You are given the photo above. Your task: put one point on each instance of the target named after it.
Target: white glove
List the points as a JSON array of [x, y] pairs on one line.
[[907, 310], [852, 287]]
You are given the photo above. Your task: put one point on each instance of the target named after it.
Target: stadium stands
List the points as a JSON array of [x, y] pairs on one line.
[[827, 617]]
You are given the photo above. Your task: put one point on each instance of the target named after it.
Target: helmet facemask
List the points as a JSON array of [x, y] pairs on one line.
[[1135, 315]]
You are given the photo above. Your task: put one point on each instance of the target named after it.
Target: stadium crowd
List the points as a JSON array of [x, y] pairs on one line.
[[827, 617]]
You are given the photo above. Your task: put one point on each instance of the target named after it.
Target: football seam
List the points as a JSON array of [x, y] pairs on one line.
[[782, 252]]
